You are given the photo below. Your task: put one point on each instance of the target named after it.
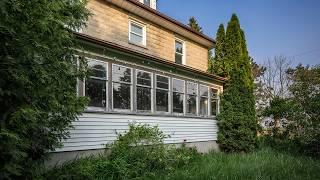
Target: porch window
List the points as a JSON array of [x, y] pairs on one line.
[[122, 85], [162, 93], [177, 95], [203, 100], [144, 89], [96, 83], [214, 101], [192, 98]]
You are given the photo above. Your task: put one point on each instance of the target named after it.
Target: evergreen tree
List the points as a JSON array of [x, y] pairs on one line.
[[38, 80], [194, 24], [218, 61], [237, 120]]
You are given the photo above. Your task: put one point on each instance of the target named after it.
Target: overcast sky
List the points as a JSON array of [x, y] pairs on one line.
[[272, 27]]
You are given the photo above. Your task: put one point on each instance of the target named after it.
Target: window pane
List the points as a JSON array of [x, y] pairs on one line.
[[143, 98], [203, 90], [121, 96], [144, 78], [178, 85], [214, 107], [191, 88], [191, 104], [214, 93], [98, 69], [146, 2], [178, 58], [136, 39], [177, 102], [121, 74], [162, 103], [162, 82], [204, 106], [96, 91], [179, 47], [136, 29]]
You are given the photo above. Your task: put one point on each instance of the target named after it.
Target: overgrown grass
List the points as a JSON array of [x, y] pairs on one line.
[[141, 154], [265, 163]]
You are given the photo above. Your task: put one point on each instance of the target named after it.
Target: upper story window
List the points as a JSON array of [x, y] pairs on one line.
[[147, 2], [144, 90], [96, 84], [122, 85], [137, 33], [179, 52]]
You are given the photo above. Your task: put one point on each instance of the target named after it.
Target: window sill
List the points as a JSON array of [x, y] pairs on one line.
[[149, 114], [138, 45]]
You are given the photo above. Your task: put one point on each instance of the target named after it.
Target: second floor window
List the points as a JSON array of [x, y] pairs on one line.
[[137, 33], [179, 52], [147, 2]]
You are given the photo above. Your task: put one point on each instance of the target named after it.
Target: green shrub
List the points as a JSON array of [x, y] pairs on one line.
[[138, 153]]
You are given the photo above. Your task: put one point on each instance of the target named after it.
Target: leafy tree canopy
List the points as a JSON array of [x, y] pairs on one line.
[[38, 79]]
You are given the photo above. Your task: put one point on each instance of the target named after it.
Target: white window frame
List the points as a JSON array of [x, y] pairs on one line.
[[217, 101], [184, 97], [183, 50], [197, 96], [144, 32], [170, 103], [208, 99], [92, 108], [131, 90], [151, 88]]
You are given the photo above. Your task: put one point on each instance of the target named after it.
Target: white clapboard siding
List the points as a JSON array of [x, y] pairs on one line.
[[95, 130]]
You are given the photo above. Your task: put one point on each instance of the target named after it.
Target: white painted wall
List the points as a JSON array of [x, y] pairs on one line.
[[94, 130]]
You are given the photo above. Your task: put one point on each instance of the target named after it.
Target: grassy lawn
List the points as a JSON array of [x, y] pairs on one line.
[[262, 164]]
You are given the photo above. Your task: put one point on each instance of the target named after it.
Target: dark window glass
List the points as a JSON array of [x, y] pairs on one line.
[[214, 107], [203, 106], [147, 2], [192, 104], [179, 47], [203, 91], [177, 102], [178, 85], [192, 88], [144, 78], [121, 96], [96, 91], [143, 98], [162, 102], [178, 58], [143, 91], [179, 52], [214, 93], [162, 82], [95, 84], [121, 74]]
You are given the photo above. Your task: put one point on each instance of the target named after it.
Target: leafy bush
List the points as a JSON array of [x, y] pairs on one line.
[[38, 78], [138, 153]]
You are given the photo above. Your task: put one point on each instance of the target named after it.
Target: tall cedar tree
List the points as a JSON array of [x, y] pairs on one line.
[[38, 80], [237, 120], [193, 23], [218, 66]]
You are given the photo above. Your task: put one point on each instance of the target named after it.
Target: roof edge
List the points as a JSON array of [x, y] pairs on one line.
[[171, 20]]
